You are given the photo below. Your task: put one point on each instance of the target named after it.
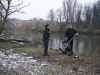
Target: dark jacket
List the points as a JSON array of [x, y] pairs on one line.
[[46, 33], [70, 33]]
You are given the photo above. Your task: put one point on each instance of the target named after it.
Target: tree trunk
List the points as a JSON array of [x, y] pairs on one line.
[[2, 28]]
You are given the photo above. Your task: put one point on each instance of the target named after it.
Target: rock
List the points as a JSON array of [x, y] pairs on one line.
[[24, 54], [43, 65], [29, 57]]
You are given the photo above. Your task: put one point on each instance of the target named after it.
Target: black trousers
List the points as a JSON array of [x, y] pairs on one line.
[[46, 43], [71, 45]]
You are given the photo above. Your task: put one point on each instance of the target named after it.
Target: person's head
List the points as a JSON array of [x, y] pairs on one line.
[[47, 26], [70, 26]]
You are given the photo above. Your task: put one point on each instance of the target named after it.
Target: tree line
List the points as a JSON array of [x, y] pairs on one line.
[[85, 17], [82, 17]]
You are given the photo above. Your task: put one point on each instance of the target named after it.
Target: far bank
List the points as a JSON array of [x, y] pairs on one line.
[[97, 32]]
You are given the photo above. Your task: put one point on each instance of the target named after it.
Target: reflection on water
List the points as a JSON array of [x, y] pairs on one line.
[[82, 43]]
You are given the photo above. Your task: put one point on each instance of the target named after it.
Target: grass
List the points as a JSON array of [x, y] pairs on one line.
[[25, 49], [90, 61]]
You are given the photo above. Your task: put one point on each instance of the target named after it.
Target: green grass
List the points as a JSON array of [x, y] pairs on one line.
[[27, 50]]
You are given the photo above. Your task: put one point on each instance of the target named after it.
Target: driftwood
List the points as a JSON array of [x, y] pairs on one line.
[[14, 40], [56, 49]]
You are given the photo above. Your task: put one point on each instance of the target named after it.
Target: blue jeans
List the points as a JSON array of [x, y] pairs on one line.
[[46, 43]]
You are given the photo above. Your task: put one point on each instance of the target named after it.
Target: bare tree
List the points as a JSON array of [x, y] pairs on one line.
[[59, 15], [51, 15], [79, 15], [6, 9], [69, 7], [87, 15]]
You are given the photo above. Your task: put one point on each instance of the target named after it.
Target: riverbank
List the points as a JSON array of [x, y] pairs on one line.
[[97, 32], [77, 64], [88, 62]]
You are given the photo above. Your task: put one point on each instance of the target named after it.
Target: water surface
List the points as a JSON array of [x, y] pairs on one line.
[[83, 43]]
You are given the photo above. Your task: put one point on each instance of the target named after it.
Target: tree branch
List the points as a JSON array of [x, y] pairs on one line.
[[17, 5], [17, 10], [3, 5], [7, 10], [1, 15], [11, 23]]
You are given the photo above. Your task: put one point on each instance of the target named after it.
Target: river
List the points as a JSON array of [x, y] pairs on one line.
[[83, 43]]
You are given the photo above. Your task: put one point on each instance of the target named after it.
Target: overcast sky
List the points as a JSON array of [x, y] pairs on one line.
[[40, 8]]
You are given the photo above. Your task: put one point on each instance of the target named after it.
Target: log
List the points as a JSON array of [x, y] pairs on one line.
[[14, 40], [56, 49]]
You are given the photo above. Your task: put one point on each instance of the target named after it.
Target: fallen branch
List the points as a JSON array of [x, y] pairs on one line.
[[14, 40], [56, 49]]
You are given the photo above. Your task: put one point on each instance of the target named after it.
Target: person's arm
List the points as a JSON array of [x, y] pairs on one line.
[[45, 34], [76, 33]]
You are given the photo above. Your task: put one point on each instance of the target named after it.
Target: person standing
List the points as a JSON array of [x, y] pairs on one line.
[[69, 36], [46, 38]]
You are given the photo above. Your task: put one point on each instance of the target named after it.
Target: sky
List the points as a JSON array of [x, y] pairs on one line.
[[40, 8]]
